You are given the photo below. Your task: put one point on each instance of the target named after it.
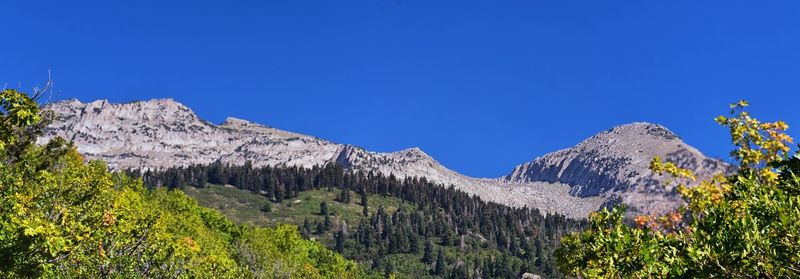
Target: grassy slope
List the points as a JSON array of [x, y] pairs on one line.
[[244, 207]]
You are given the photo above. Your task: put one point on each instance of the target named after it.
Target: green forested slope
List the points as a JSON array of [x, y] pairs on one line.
[[390, 226]]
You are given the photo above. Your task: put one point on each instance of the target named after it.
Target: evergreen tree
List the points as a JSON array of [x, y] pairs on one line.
[[439, 269], [323, 209], [446, 238], [306, 231], [320, 227], [459, 271], [427, 256], [267, 207], [202, 181], [537, 248], [364, 208], [340, 238], [413, 243], [279, 192]]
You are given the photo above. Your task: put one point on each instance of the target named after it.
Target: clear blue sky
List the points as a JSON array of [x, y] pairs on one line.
[[479, 85]]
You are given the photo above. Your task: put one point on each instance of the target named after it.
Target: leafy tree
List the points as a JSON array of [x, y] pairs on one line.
[[63, 218], [743, 225]]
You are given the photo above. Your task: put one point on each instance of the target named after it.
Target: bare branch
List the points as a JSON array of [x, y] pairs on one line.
[[47, 86]]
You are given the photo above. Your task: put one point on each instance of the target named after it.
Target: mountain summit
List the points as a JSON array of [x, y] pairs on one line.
[[608, 167], [615, 163]]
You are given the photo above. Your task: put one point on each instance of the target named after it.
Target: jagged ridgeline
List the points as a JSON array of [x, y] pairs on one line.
[[607, 168], [409, 227]]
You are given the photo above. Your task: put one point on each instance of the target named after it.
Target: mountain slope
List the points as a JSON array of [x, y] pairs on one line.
[[606, 168], [615, 164], [163, 133]]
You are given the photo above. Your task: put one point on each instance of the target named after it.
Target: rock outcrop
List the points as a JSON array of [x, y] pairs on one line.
[[615, 164]]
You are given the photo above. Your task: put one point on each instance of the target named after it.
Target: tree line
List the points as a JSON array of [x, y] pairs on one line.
[[522, 239]]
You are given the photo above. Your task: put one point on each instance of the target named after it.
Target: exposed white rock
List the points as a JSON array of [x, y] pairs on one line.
[[610, 166], [615, 164], [163, 133]]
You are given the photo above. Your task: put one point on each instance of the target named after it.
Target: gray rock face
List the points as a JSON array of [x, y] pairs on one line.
[[608, 167], [615, 164], [163, 133]]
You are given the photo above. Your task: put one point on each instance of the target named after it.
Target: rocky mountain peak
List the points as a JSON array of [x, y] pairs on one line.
[[615, 163], [640, 129], [414, 153]]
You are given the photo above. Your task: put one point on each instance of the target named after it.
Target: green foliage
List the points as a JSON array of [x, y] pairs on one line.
[[18, 112], [744, 225], [440, 264], [63, 218], [488, 240], [394, 235]]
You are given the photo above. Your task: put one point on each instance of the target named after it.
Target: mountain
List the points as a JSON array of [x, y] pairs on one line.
[[606, 168], [615, 164], [163, 133]]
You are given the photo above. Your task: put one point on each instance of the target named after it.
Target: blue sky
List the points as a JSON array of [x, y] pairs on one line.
[[479, 85]]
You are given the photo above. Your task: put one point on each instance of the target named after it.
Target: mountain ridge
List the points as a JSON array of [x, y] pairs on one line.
[[162, 133]]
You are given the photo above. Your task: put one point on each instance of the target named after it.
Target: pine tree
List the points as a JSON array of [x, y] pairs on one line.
[[413, 243], [460, 271], [323, 208], [320, 228], [364, 204], [537, 246], [346, 195], [306, 231], [446, 238], [340, 237], [279, 192], [427, 256], [202, 181], [439, 269]]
